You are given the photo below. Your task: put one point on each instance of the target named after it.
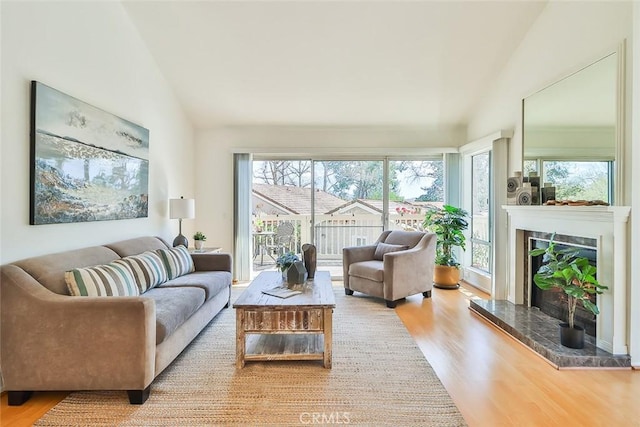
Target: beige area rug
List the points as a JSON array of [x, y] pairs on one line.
[[379, 377]]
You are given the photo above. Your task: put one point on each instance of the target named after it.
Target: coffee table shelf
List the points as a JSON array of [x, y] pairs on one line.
[[295, 328], [266, 347]]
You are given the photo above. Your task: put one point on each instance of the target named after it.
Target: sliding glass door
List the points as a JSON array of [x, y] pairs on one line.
[[336, 203], [348, 207]]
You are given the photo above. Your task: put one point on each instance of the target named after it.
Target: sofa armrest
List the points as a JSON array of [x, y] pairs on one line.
[[213, 262], [58, 342], [355, 254], [411, 271]]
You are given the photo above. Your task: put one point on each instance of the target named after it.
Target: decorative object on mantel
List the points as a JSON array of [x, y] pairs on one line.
[[513, 183], [548, 193], [447, 223], [523, 195], [534, 181], [576, 203], [199, 239], [293, 271], [573, 274], [309, 257], [86, 164]]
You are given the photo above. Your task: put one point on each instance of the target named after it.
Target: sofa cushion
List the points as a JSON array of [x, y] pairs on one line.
[[178, 261], [385, 248], [173, 307], [371, 270], [213, 282], [148, 269], [114, 279], [137, 245], [49, 269]]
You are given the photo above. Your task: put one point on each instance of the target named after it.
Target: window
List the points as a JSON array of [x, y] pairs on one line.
[[480, 225], [575, 180]]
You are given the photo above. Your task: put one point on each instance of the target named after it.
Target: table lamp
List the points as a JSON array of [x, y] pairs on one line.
[[180, 209]]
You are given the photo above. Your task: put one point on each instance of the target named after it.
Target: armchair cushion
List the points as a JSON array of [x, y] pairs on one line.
[[385, 248], [371, 270], [398, 237]]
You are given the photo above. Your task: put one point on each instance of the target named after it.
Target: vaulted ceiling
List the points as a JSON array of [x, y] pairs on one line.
[[331, 63]]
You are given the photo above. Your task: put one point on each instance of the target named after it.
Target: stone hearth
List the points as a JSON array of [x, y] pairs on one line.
[[540, 332]]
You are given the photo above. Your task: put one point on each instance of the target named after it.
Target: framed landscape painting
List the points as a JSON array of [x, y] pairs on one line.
[[86, 164]]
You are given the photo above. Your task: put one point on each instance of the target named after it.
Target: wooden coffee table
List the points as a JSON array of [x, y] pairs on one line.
[[294, 328]]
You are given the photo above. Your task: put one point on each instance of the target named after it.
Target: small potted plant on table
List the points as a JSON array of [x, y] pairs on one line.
[[198, 239], [564, 269], [293, 270], [448, 223]]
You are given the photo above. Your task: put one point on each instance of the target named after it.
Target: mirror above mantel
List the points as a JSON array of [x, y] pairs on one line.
[[571, 132]]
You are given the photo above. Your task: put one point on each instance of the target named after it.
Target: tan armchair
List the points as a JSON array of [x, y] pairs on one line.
[[399, 264]]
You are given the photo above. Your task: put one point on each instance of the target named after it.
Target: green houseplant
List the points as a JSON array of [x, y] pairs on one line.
[[286, 260], [198, 239], [448, 223], [564, 269]]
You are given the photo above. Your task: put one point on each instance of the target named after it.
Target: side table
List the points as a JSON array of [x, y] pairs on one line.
[[205, 250]]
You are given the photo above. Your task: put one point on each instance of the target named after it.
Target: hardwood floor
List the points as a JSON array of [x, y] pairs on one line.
[[494, 380], [27, 414]]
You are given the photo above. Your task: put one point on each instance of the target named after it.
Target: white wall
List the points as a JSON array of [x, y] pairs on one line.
[[215, 148], [566, 37], [634, 303], [89, 50]]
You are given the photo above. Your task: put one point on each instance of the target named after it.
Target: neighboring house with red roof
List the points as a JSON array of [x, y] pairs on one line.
[[290, 200], [338, 222], [369, 206]]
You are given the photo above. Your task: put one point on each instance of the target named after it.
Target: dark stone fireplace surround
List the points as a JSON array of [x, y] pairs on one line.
[[538, 330]]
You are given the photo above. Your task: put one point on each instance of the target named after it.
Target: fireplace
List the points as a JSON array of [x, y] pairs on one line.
[[553, 302], [602, 228]]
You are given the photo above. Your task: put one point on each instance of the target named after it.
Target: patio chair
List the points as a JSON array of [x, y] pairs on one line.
[[398, 265], [283, 238]]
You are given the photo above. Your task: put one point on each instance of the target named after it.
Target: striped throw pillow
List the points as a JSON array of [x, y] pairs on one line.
[[148, 269], [102, 280], [178, 261]]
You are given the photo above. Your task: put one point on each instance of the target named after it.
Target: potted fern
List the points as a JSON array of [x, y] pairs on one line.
[[564, 269], [448, 223]]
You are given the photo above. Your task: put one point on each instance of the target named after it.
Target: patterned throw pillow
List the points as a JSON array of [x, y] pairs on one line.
[[385, 248], [102, 280], [148, 269], [178, 261]]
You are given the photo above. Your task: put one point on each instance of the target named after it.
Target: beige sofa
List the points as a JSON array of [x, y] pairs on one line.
[[397, 265], [54, 341]]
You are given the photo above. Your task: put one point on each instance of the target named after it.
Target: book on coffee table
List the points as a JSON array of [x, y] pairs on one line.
[[281, 292]]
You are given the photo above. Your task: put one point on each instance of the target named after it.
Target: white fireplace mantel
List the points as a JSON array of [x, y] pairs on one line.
[[608, 226]]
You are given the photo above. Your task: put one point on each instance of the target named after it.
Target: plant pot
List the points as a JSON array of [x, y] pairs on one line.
[[198, 244], [446, 277], [571, 337], [296, 274]]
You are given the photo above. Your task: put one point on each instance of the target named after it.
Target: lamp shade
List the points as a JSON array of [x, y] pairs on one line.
[[182, 208]]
